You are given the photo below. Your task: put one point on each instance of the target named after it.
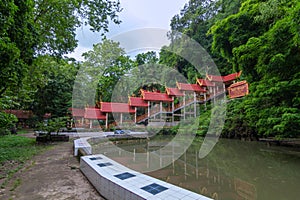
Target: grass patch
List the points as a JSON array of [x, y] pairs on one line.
[[18, 148], [14, 152], [24, 131]]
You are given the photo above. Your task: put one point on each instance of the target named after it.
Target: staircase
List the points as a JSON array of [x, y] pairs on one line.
[[156, 109]]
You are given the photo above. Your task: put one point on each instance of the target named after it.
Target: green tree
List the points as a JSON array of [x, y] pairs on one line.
[[56, 22], [263, 39], [54, 94], [146, 58], [16, 42], [103, 67], [29, 28]]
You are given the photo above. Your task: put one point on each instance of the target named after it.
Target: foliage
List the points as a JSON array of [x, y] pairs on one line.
[[56, 21], [103, 67], [53, 125], [262, 39], [204, 119], [31, 28], [194, 20], [264, 53], [146, 58], [7, 121], [51, 86], [16, 42]]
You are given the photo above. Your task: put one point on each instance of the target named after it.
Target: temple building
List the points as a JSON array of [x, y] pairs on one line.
[[161, 108]]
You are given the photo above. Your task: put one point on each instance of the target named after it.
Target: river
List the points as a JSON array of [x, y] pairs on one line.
[[234, 169]]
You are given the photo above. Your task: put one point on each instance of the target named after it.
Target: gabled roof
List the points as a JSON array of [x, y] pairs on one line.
[[111, 107], [77, 112], [227, 78], [94, 113], [174, 92], [156, 96], [205, 83], [237, 84], [137, 102], [20, 114], [190, 87]]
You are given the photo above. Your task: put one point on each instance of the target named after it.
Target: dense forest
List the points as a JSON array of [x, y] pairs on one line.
[[259, 37]]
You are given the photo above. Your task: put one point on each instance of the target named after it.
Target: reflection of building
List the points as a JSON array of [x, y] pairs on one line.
[[245, 190], [188, 171], [168, 108]]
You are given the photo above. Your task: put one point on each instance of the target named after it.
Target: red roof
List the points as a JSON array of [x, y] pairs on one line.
[[190, 87], [205, 83], [111, 107], [137, 102], [156, 96], [77, 112], [20, 114], [94, 113], [227, 78], [174, 92], [238, 84]]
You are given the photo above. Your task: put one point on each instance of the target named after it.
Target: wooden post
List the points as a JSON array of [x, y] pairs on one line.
[[205, 99], [148, 109], [106, 121], [184, 106], [160, 109], [121, 118], [172, 109], [214, 94], [135, 114], [195, 103]]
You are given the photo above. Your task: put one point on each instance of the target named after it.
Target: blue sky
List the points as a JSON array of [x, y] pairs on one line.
[[136, 14]]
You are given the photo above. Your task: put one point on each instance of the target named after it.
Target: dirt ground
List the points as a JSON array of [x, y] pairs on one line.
[[54, 174]]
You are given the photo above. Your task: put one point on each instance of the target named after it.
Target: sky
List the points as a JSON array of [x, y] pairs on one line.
[[136, 14]]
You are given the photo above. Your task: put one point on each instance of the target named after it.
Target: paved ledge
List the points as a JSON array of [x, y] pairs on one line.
[[115, 181], [82, 143]]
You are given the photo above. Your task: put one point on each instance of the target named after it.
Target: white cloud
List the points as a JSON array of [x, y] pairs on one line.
[[136, 14]]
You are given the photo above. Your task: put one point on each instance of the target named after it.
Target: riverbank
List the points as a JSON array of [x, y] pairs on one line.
[[291, 142]]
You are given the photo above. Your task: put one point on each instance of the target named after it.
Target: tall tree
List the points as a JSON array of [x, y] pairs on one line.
[[33, 27], [56, 21], [54, 94], [17, 39], [194, 20], [263, 39], [103, 67]]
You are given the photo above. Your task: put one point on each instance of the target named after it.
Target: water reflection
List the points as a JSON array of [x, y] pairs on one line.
[[233, 170]]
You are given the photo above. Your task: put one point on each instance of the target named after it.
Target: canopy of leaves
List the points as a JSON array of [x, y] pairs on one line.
[[263, 39], [31, 31], [102, 69]]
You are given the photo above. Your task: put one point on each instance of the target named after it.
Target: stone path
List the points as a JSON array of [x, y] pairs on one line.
[[52, 175]]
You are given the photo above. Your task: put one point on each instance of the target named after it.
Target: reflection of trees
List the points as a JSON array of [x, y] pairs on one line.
[[268, 169], [232, 170]]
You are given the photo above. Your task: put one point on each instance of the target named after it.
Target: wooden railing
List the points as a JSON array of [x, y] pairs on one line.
[[156, 109]]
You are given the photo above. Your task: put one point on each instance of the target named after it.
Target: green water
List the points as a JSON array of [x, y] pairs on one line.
[[232, 170]]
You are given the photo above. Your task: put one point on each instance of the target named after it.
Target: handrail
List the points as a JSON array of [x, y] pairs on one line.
[[156, 109]]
